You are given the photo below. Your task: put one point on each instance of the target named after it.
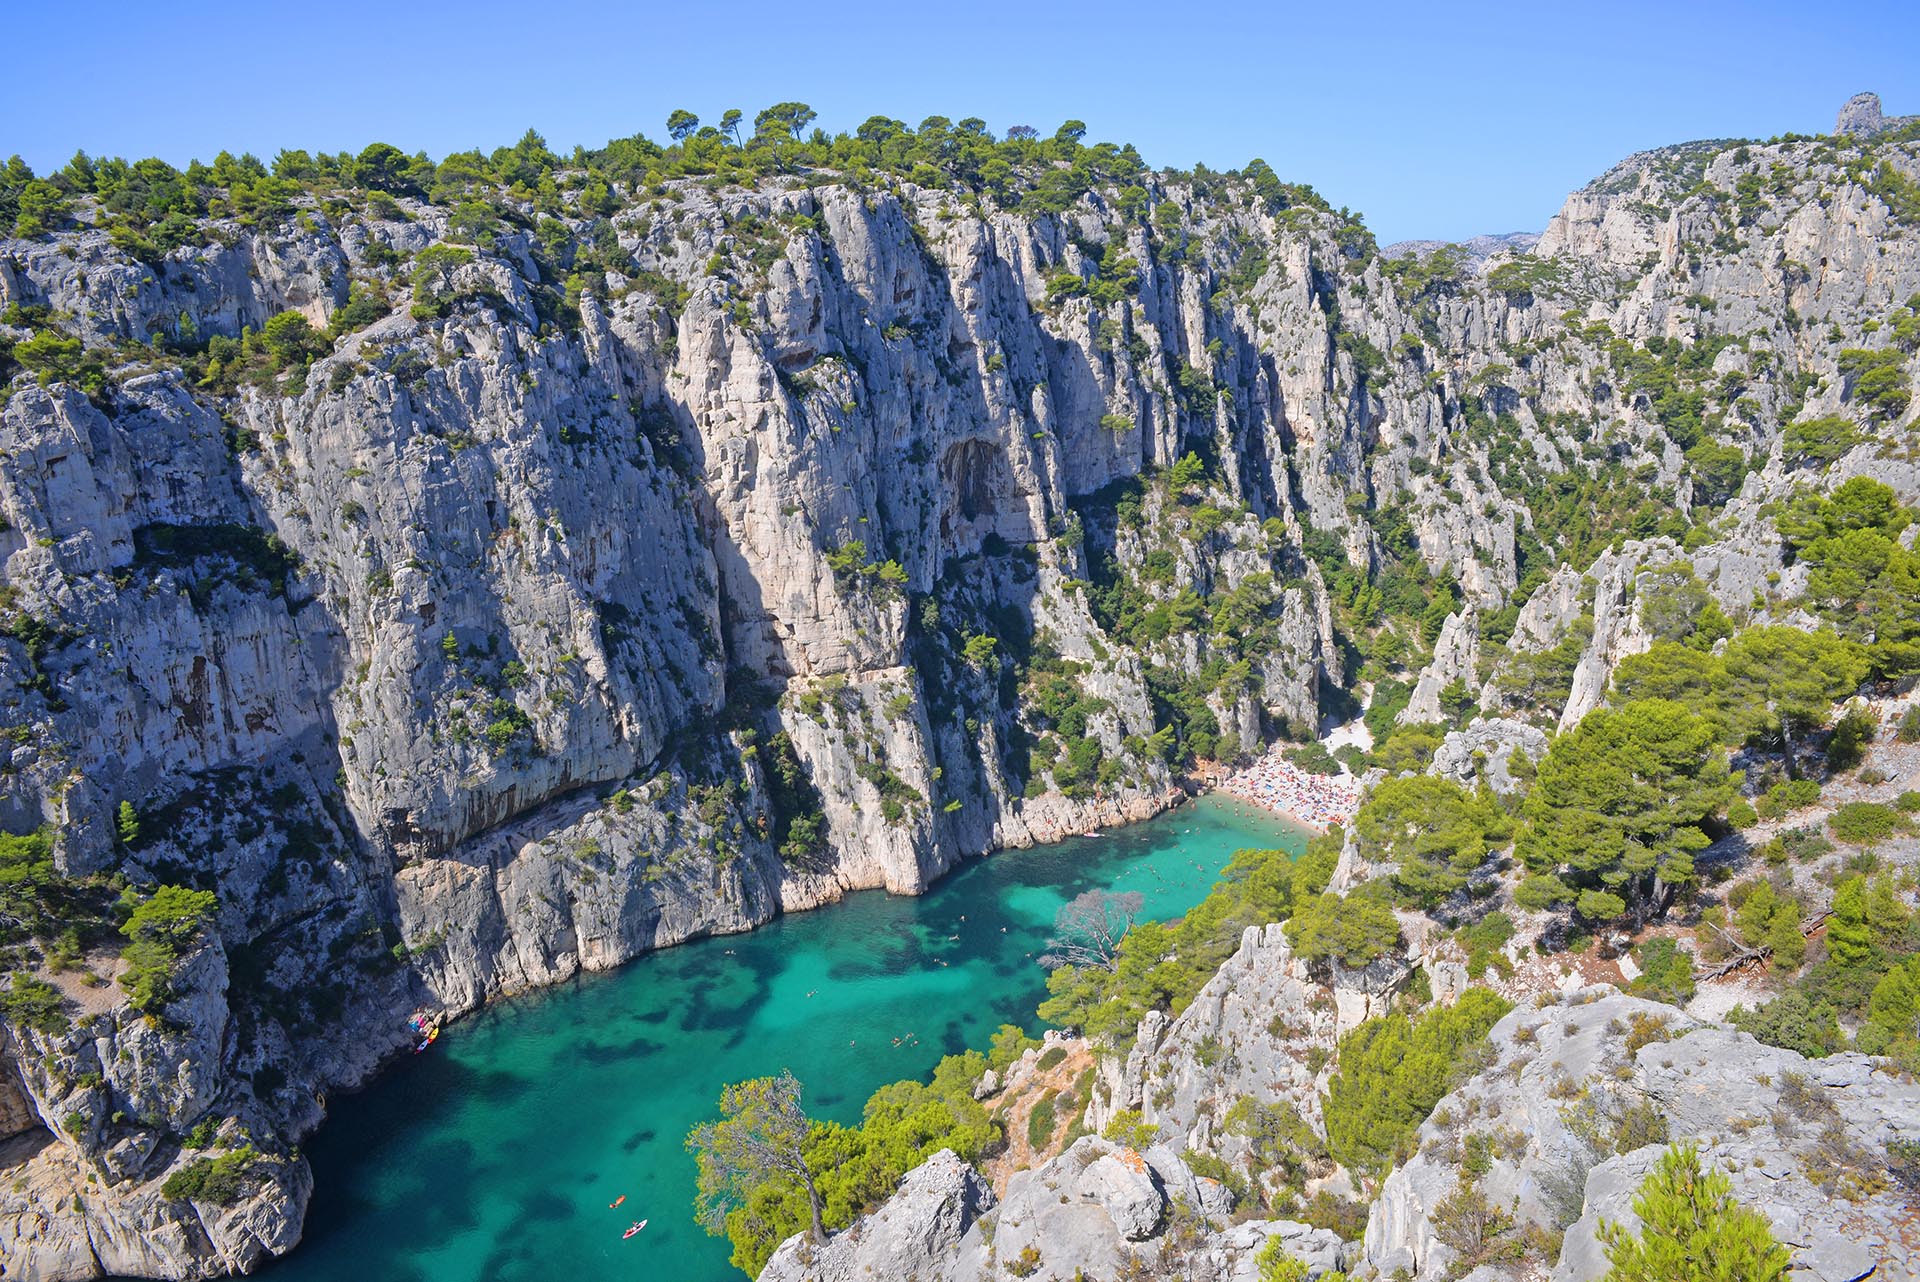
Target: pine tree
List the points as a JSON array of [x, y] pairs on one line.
[[127, 822], [1886, 915], [1849, 938], [1615, 812], [1692, 1230]]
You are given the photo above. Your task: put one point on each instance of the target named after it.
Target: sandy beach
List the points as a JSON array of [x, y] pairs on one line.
[[1318, 801]]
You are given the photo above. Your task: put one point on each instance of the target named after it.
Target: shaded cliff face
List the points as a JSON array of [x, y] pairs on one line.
[[612, 579]]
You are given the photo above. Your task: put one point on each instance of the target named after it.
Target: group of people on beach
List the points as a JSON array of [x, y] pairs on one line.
[[1278, 784]]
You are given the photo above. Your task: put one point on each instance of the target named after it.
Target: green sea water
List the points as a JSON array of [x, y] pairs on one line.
[[493, 1157]]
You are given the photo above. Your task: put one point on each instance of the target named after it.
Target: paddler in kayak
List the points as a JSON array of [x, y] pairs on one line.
[[637, 1226]]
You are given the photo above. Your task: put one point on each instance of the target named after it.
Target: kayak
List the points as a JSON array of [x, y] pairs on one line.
[[635, 1229]]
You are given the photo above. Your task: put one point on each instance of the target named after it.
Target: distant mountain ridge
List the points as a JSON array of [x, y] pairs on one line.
[[1477, 247]]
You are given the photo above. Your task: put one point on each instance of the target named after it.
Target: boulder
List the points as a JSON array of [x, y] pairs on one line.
[[915, 1234]]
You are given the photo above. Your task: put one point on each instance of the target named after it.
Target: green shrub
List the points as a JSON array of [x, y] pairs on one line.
[[1129, 1128], [1818, 440], [1666, 972], [1862, 823], [160, 929], [54, 358], [221, 1180], [1393, 1070], [291, 340], [1434, 831], [1879, 380], [1353, 930], [1847, 745], [33, 1003], [1614, 816], [1485, 943], [1787, 796], [1795, 1021], [1009, 1044], [1042, 1122], [1691, 1230]]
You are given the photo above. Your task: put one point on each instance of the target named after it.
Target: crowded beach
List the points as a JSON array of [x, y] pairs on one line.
[[1320, 801]]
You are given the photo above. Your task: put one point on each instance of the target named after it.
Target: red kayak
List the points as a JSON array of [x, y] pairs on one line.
[[638, 1225]]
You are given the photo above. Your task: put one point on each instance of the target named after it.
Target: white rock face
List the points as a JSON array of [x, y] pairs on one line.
[[1097, 1210], [1248, 1033], [1488, 745], [1562, 1107], [916, 1234], [513, 641], [424, 657], [1456, 657]]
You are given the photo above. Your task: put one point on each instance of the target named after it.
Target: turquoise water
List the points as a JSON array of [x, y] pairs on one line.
[[493, 1157]]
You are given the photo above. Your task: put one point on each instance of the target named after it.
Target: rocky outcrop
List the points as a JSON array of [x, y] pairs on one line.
[[1486, 748], [421, 653], [62, 1223], [1260, 1034], [1097, 1210], [1861, 117], [1577, 1098], [1250, 1033], [916, 1234], [1456, 658]]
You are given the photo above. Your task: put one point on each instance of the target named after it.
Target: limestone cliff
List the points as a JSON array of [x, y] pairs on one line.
[[644, 560]]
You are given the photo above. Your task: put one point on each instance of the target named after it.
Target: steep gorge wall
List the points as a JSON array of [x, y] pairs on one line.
[[424, 666], [464, 663]]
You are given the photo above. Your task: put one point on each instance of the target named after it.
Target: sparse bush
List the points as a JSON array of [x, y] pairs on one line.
[[1042, 1121], [1129, 1128]]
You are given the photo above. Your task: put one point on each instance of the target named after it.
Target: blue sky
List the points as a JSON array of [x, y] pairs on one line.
[[1434, 120]]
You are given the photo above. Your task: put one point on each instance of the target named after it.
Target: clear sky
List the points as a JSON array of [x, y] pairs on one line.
[[1433, 119]]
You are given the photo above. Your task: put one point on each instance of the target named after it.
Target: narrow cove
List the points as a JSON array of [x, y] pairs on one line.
[[495, 1155]]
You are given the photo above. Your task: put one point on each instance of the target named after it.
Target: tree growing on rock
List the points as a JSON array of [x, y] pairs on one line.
[[1861, 575], [1692, 1230], [160, 930], [1393, 1070], [760, 1139], [783, 119], [1433, 829], [1354, 930], [681, 123], [1614, 817], [1785, 681]]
